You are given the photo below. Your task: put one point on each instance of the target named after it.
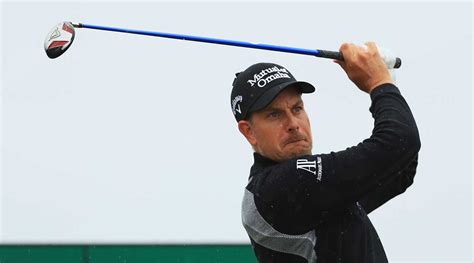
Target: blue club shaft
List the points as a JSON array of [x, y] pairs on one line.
[[207, 40], [312, 52]]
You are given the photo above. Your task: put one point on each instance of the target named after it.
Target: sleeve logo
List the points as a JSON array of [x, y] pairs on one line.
[[311, 166]]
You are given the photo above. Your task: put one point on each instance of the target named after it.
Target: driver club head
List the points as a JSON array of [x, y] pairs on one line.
[[59, 39]]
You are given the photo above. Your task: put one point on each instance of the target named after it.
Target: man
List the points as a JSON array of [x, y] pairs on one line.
[[300, 207]]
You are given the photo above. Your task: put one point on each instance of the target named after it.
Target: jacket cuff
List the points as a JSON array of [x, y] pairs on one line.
[[384, 88]]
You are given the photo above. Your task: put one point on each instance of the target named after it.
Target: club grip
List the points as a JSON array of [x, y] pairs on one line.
[[391, 62], [330, 54]]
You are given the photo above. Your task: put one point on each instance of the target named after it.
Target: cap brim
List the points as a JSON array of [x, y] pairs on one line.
[[271, 94]]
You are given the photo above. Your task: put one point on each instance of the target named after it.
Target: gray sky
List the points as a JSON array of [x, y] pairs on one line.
[[131, 139]]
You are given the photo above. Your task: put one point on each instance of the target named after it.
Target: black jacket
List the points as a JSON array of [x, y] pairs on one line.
[[314, 208]]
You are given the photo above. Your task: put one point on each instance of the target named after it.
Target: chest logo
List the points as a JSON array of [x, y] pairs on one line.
[[311, 166]]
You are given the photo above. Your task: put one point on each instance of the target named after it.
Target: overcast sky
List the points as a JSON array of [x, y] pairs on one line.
[[131, 139]]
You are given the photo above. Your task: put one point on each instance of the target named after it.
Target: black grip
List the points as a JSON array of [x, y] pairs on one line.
[[338, 55], [330, 54]]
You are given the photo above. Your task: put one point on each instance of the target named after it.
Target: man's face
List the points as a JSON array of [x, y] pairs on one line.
[[281, 131]]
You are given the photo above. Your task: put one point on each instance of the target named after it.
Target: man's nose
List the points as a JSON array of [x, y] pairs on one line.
[[292, 123]]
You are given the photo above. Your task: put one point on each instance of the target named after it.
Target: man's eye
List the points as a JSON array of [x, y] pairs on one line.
[[298, 109], [273, 114]]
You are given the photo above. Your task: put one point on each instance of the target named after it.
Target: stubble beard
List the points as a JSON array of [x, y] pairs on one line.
[[300, 152]]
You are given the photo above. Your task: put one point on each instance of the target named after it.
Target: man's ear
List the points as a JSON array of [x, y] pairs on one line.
[[245, 127]]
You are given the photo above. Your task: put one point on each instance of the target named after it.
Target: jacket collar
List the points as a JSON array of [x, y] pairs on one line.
[[260, 162]]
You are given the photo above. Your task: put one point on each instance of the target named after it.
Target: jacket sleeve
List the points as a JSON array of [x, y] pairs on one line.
[[393, 186], [315, 185]]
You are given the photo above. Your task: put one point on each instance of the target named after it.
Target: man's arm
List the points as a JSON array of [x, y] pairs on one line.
[[390, 188], [311, 186], [329, 182]]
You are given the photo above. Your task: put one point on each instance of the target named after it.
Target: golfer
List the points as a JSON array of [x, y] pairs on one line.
[[300, 207]]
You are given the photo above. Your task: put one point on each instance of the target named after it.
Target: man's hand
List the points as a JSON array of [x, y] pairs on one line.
[[364, 66]]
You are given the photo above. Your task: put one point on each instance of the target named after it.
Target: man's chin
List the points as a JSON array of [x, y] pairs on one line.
[[290, 155], [298, 154], [299, 151]]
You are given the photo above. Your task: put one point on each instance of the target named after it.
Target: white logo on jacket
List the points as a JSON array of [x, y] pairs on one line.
[[314, 167]]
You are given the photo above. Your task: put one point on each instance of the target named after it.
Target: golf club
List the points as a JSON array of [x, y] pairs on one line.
[[62, 35]]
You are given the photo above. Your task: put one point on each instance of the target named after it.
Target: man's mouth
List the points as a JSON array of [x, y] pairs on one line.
[[294, 140]]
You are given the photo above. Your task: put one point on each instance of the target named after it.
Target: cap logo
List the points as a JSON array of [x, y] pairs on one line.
[[262, 79], [235, 107]]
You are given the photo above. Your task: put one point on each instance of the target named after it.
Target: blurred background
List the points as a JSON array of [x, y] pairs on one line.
[[129, 141]]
